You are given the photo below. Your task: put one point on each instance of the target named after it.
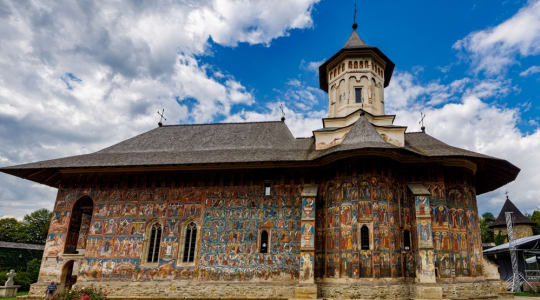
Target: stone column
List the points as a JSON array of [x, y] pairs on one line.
[[425, 259], [307, 287]]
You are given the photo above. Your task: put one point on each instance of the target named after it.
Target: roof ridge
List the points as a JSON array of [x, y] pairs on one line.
[[222, 123]]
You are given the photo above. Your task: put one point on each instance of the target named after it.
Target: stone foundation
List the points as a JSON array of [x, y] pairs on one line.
[[481, 289], [195, 290]]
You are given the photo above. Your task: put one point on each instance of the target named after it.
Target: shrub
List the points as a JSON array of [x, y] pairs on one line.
[[3, 278], [23, 279], [87, 293]]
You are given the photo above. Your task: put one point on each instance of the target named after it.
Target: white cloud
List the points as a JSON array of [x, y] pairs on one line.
[[530, 71], [492, 50], [472, 123], [298, 100], [312, 66], [78, 76]]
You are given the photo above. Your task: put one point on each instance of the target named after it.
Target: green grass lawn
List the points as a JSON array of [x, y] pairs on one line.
[[18, 294], [527, 294]]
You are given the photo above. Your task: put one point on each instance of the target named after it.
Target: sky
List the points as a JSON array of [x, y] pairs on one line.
[[78, 76]]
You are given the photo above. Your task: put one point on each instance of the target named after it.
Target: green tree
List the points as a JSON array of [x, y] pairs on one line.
[[535, 217], [11, 230], [500, 239], [36, 226], [32, 230], [487, 233]]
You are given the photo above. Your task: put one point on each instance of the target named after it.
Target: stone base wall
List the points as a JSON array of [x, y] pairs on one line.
[[195, 290], [474, 290], [481, 289], [364, 291]]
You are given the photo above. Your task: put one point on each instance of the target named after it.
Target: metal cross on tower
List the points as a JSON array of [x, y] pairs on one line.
[[161, 117], [354, 26], [422, 116], [282, 112]]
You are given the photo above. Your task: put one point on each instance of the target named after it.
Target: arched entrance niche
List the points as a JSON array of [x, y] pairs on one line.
[[79, 224], [67, 279]]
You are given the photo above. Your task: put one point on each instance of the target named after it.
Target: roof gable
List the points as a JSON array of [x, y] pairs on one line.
[[517, 216], [363, 133]]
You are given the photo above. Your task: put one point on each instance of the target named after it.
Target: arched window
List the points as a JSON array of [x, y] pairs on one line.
[[356, 64], [79, 225], [406, 240], [350, 65], [154, 243], [189, 243], [361, 64], [264, 241], [364, 238]]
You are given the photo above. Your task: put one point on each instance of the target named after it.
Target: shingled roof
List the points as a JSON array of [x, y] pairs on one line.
[[238, 144], [354, 41], [517, 216]]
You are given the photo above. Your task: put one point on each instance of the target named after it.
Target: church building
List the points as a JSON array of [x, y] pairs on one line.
[[361, 209]]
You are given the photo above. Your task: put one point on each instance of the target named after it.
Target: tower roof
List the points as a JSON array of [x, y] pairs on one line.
[[354, 41], [517, 216], [355, 45]]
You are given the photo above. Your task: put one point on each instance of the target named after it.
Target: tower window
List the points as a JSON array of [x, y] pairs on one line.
[[264, 242], [406, 240], [189, 243], [364, 238], [154, 243], [358, 95]]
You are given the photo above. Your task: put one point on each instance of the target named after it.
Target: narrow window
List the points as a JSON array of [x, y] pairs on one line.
[[406, 240], [358, 95], [356, 64], [364, 238], [189, 243], [264, 241], [153, 245], [267, 189], [361, 64], [350, 65]]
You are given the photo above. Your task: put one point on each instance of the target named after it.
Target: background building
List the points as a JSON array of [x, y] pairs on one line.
[[523, 226]]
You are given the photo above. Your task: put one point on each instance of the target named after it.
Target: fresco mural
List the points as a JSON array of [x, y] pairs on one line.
[[346, 204], [230, 219], [227, 248]]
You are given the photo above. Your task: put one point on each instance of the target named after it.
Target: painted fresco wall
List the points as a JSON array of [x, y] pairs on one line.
[[229, 219], [346, 204], [455, 229]]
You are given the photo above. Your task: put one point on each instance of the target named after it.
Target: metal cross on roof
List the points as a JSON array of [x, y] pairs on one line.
[[282, 112], [354, 26], [422, 116], [161, 117]]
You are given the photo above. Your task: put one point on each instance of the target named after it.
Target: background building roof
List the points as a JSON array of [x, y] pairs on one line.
[[517, 216], [530, 242], [21, 246]]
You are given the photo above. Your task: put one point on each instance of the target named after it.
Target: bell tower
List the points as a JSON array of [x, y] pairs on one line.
[[355, 78]]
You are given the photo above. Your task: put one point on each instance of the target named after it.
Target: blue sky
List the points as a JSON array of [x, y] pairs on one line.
[[77, 77]]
